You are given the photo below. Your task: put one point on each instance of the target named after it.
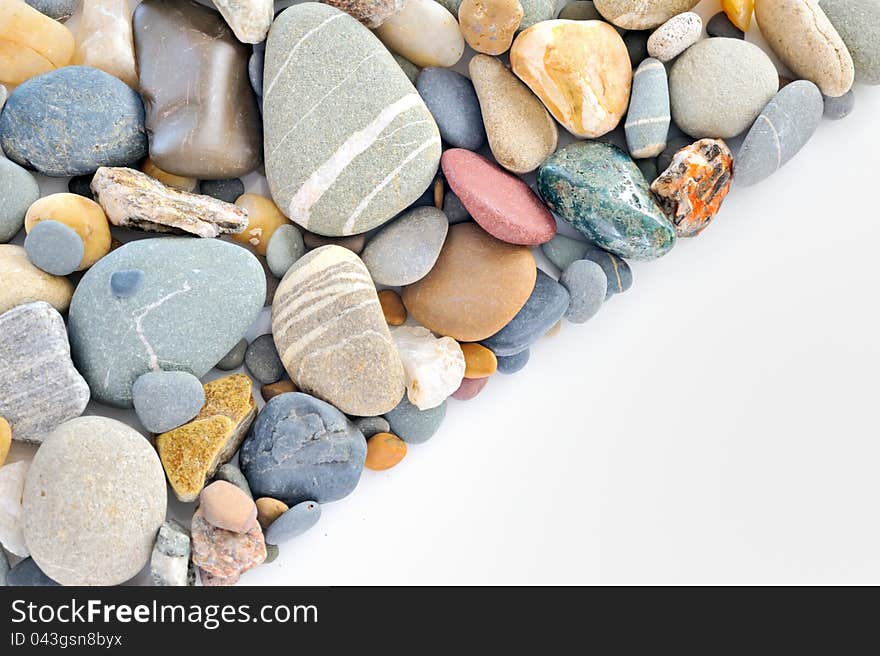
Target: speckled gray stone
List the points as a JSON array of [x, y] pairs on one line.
[[262, 361], [226, 190], [28, 574], [369, 426], [296, 521], [510, 364], [720, 25], [783, 128], [840, 107], [453, 208], [18, 191], [235, 358], [587, 286], [535, 11], [858, 23], [405, 251], [93, 501], [285, 247], [60, 10], [300, 448], [232, 474], [453, 103], [675, 36], [647, 121], [166, 399], [54, 247], [170, 560], [39, 386], [412, 71], [412, 425]]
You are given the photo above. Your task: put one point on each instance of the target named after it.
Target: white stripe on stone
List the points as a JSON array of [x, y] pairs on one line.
[[292, 352], [646, 121]]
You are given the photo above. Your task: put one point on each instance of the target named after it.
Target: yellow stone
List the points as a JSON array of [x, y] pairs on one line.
[[169, 179], [83, 215], [192, 453], [31, 284], [488, 26], [30, 43], [579, 69], [5, 439], [268, 510], [264, 218], [104, 39], [739, 12]]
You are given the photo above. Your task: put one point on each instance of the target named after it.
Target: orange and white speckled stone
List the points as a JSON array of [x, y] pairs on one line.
[[579, 69]]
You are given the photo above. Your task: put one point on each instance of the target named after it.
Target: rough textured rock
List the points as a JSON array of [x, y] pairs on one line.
[[225, 555], [648, 118], [39, 386], [489, 25], [202, 114], [31, 284], [12, 479], [423, 32], [371, 13], [170, 560], [642, 15], [302, 449], [379, 152], [31, 43], [132, 199], [405, 251], [93, 502], [434, 366], [858, 24], [18, 190], [332, 336], [249, 19], [675, 36], [104, 39]]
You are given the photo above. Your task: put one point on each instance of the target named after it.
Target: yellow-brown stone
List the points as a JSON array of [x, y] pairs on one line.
[[272, 390], [488, 26], [179, 182], [31, 283], [479, 362], [31, 43], [580, 70], [384, 450], [392, 307], [83, 215], [264, 218], [268, 510], [5, 440]]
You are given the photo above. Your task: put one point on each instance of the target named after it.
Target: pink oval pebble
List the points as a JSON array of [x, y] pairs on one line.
[[469, 388], [501, 203]]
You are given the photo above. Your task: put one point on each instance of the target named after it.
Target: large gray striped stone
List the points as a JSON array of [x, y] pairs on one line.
[[348, 141], [331, 334], [39, 386]]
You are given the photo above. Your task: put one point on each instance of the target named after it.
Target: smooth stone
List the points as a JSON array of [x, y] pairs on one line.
[[369, 426], [720, 25], [641, 15], [72, 121], [617, 272], [285, 248], [535, 11], [580, 10], [785, 126], [31, 284], [501, 203], [546, 305], [202, 114], [126, 283], [272, 390], [411, 71], [60, 10], [178, 182], [372, 13], [718, 87], [232, 474], [579, 69], [350, 359], [840, 107], [169, 562], [235, 358], [54, 248], [250, 20], [858, 24], [296, 521], [392, 307], [562, 251], [263, 218], [166, 399], [104, 39], [476, 287], [349, 174], [5, 440], [39, 386], [636, 46], [223, 556], [18, 191], [405, 251], [226, 190], [512, 363], [269, 509], [425, 33], [28, 574], [675, 36], [31, 43], [95, 488], [597, 188], [454, 209], [648, 118], [271, 283], [488, 26], [433, 366], [300, 449], [469, 388], [587, 287], [12, 480], [803, 38], [412, 425], [227, 506], [198, 298], [83, 216], [520, 130], [453, 103], [262, 360], [256, 66]]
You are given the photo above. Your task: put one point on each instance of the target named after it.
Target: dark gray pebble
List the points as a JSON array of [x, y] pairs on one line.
[[510, 364], [720, 25], [225, 190], [453, 103], [453, 208], [235, 358], [262, 360], [838, 108], [369, 426], [81, 185], [637, 46]]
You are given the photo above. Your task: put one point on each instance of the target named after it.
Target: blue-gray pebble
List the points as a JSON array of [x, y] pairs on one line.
[[28, 574], [256, 63], [510, 364], [300, 448], [453, 208], [226, 190], [587, 285], [166, 399], [617, 272], [285, 247], [405, 250], [412, 425], [232, 474], [294, 522], [453, 103], [562, 250], [720, 25], [840, 107], [54, 247], [369, 426], [126, 283], [73, 120], [235, 358], [647, 122], [263, 361], [18, 191]]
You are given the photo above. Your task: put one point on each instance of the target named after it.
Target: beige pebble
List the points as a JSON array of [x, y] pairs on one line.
[[425, 33], [104, 39], [5, 440], [31, 283], [268, 510], [178, 182], [227, 506]]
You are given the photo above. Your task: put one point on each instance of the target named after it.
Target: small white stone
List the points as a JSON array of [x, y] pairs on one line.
[[12, 479], [675, 36], [433, 366], [249, 19]]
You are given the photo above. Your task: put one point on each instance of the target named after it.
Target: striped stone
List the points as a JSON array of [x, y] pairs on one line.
[[348, 141], [331, 334], [647, 122]]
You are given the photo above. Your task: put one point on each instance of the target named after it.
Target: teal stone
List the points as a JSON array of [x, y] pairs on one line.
[[598, 189]]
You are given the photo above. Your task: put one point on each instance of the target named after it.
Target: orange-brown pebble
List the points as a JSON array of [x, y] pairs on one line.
[[264, 218], [438, 193], [170, 179], [392, 307], [384, 450], [268, 510], [5, 439], [274, 389], [31, 43], [479, 362]]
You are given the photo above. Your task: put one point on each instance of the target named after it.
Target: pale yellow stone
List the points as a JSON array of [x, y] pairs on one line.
[[84, 216], [30, 283], [425, 33], [30, 43], [580, 70], [104, 40], [264, 218], [179, 182], [488, 26], [5, 440]]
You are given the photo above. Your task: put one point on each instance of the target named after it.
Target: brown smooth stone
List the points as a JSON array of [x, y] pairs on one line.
[[202, 116], [476, 287], [272, 390]]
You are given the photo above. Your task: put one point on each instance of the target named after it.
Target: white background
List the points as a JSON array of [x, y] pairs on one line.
[[715, 424]]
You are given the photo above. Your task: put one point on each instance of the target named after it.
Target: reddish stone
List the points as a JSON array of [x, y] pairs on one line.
[[469, 388], [224, 554], [501, 203]]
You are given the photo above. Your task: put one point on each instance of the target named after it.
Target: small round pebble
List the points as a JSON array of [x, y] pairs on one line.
[[512, 363], [392, 307], [294, 522], [479, 362], [453, 103], [285, 247], [235, 358], [840, 107], [586, 284], [369, 426], [81, 185], [225, 190], [166, 399], [384, 450], [675, 36], [232, 474], [28, 574], [469, 388], [262, 360], [720, 25], [268, 510], [126, 283], [227, 506], [406, 249], [54, 248], [412, 425]]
